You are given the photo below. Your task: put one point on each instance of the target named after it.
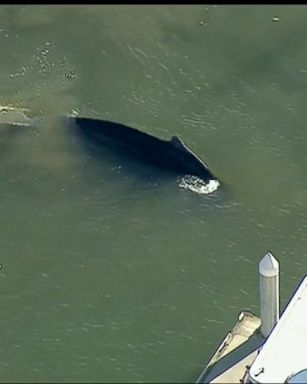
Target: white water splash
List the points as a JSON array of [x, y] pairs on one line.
[[199, 186], [16, 116]]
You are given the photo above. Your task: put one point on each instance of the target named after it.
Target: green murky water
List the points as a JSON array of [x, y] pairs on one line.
[[111, 276]]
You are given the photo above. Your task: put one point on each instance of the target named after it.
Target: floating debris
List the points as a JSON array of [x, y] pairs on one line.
[[203, 23]]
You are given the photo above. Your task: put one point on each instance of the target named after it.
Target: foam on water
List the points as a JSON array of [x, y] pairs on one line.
[[198, 185]]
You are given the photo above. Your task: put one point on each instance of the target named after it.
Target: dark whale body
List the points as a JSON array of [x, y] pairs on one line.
[[172, 155]]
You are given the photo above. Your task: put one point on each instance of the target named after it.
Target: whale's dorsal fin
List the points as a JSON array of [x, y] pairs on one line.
[[177, 142]]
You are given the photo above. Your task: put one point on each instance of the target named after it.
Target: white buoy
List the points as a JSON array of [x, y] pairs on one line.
[[269, 293]]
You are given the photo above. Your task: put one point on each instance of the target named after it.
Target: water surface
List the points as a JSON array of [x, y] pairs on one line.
[[115, 274]]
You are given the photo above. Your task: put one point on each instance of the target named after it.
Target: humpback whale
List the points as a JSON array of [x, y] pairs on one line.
[[172, 155]]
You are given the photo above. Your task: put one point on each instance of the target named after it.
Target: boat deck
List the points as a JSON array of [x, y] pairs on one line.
[[237, 350]]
